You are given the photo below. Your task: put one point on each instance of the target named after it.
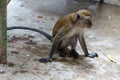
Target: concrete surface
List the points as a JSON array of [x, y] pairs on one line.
[[26, 47]]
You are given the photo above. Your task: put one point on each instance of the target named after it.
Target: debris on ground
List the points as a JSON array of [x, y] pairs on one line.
[[111, 59]]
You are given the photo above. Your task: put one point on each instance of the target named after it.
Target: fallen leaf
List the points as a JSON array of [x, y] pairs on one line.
[[39, 16], [111, 59]]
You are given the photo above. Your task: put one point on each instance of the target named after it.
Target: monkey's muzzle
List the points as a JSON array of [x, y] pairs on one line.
[[88, 23]]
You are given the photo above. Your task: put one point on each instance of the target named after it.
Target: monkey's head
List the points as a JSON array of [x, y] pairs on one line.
[[83, 18]]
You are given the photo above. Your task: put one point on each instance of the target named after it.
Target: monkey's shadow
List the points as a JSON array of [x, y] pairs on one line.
[[43, 50], [83, 62]]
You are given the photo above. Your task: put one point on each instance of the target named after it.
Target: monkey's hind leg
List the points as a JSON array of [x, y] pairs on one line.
[[74, 54], [68, 52], [61, 52], [73, 43]]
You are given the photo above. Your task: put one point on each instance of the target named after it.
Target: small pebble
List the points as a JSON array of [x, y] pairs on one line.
[[28, 55], [109, 17], [2, 71], [114, 29], [39, 16]]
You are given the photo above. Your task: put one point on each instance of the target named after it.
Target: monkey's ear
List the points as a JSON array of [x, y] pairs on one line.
[[77, 17]]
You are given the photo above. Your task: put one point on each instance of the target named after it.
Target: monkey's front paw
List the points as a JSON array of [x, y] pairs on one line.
[[92, 55], [44, 60]]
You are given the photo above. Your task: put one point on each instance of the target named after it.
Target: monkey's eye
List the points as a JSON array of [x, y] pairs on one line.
[[78, 16]]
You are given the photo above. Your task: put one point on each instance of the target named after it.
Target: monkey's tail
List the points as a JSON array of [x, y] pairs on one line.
[[32, 29]]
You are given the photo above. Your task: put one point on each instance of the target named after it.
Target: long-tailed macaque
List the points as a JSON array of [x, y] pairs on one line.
[[66, 31]]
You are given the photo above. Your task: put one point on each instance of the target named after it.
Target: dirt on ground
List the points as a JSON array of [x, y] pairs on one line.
[[25, 48]]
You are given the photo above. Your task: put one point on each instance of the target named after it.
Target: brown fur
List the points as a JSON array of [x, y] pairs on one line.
[[65, 20]]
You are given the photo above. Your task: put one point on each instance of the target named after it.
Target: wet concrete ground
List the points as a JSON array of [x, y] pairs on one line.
[[26, 47]]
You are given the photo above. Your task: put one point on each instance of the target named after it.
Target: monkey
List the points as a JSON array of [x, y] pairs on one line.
[[66, 31]]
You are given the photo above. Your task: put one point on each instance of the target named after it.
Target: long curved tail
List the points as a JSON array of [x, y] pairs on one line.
[[32, 29]]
